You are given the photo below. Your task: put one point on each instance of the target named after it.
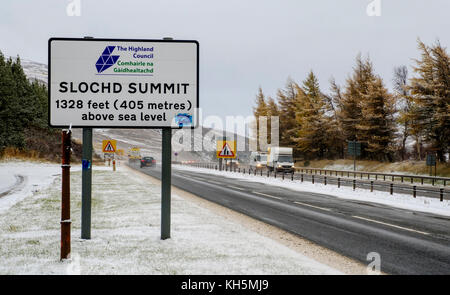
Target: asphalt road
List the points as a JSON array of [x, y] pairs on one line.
[[408, 242]]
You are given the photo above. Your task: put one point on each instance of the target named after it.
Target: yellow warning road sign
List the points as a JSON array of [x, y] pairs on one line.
[[226, 149], [109, 146]]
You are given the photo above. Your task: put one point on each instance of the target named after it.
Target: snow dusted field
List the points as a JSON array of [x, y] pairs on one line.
[[22, 179], [422, 204], [126, 231]]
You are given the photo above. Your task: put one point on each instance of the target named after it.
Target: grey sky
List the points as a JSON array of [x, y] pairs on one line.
[[243, 44]]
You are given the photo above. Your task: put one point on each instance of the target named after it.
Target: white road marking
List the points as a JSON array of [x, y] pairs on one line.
[[214, 182], [235, 187], [304, 204], [391, 225], [266, 195]]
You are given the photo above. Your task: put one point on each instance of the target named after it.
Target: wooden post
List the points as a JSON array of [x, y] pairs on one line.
[[65, 195]]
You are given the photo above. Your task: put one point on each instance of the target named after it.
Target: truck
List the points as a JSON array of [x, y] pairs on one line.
[[280, 159], [258, 160], [134, 155]]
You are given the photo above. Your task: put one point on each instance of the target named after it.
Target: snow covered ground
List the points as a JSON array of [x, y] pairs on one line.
[[22, 179], [126, 232], [422, 204]]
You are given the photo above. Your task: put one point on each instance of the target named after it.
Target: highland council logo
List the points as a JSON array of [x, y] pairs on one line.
[[106, 60]]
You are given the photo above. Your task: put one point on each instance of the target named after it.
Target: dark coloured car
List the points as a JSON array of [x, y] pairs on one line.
[[148, 162]]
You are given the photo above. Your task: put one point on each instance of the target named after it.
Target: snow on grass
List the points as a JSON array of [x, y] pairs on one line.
[[422, 204], [126, 235], [36, 176]]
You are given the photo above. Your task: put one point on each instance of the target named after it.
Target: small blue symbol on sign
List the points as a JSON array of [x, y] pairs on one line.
[[183, 119], [85, 164], [106, 60]]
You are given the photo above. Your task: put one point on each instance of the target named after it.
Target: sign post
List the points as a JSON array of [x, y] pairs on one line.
[[86, 184], [166, 182], [65, 195], [86, 181], [124, 83], [431, 161], [354, 149], [166, 179]]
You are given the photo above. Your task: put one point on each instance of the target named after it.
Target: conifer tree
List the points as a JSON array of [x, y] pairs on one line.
[[272, 111], [259, 110], [351, 103], [11, 124], [311, 137], [404, 106], [335, 138], [23, 105], [377, 125], [287, 102], [430, 91]]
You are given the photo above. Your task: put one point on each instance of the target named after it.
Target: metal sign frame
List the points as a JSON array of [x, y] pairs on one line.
[[194, 124]]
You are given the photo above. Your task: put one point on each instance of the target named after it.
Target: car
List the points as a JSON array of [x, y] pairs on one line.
[[258, 160], [148, 162], [232, 163]]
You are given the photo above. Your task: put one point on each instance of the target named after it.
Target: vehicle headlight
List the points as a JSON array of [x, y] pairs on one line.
[[258, 165], [279, 166], [293, 166]]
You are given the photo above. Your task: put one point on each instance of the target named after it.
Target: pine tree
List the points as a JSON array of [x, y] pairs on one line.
[[23, 105], [350, 113], [404, 105], [335, 138], [287, 102], [378, 121], [272, 111], [11, 123], [430, 92], [260, 110], [311, 137]]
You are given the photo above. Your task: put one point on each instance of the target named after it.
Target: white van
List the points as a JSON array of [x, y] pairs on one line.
[[258, 160], [280, 159]]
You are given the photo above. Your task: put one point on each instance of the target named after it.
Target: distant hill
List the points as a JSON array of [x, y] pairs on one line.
[[34, 70]]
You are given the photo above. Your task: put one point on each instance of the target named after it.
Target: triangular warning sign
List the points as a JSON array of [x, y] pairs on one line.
[[226, 151], [109, 147]]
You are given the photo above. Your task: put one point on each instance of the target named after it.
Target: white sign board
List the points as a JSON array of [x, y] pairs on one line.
[[118, 83]]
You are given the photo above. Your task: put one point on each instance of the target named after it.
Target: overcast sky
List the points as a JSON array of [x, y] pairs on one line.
[[243, 44]]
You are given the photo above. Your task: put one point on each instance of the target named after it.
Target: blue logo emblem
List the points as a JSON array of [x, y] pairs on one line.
[[106, 60], [183, 119]]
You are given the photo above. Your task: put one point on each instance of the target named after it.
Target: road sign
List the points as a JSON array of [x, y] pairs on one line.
[[226, 149], [354, 148], [109, 146], [123, 83], [431, 160]]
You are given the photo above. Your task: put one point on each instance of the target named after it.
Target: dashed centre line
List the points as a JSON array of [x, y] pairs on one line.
[[235, 187], [266, 195], [391, 225], [312, 206]]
